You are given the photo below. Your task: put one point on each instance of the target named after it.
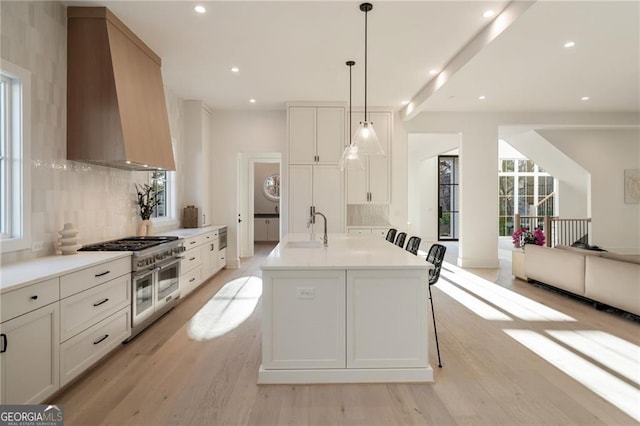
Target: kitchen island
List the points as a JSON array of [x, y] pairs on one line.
[[352, 312]]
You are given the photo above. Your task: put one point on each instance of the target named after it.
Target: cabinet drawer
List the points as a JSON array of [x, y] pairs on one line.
[[190, 281], [82, 351], [193, 242], [27, 299], [222, 258], [210, 236], [86, 308], [90, 277], [192, 259]]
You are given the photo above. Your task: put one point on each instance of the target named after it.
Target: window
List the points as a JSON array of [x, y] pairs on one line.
[[15, 189], [161, 181], [523, 184]]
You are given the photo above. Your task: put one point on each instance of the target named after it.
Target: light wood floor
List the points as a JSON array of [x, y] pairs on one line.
[[164, 377]]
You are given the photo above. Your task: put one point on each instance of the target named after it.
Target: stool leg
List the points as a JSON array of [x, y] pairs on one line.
[[435, 330]]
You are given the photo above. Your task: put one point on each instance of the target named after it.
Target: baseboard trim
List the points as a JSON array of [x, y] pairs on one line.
[[346, 375]]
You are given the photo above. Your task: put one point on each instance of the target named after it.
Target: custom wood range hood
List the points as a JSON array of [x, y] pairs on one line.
[[116, 110]]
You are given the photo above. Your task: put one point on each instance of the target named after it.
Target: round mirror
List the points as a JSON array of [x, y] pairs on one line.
[[272, 187]]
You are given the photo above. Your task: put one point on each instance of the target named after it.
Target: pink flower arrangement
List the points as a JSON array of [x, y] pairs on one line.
[[523, 236]]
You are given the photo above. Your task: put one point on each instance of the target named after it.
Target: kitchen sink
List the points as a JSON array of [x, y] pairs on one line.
[[305, 244]]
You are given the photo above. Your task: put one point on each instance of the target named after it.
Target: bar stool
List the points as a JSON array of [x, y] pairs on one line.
[[391, 235], [400, 239], [435, 257], [413, 245]]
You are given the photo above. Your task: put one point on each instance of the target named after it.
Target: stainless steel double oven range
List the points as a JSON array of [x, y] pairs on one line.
[[155, 267]]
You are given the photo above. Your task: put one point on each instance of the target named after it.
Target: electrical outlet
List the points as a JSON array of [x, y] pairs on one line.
[[305, 292], [36, 246]]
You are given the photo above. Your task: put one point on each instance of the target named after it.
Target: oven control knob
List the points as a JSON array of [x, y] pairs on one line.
[[140, 263]]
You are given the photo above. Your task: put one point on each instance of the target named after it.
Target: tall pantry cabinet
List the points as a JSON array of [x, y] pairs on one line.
[[198, 140], [316, 139], [372, 185]]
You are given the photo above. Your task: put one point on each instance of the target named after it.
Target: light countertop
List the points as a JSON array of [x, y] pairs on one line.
[[191, 232], [344, 252], [20, 274]]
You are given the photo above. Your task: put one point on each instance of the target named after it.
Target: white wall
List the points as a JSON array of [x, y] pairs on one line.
[[237, 132], [605, 154], [261, 204]]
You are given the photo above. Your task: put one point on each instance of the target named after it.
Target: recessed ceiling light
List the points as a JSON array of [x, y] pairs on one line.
[[569, 44], [235, 69], [584, 98], [488, 13], [433, 72], [482, 97], [253, 101], [200, 9], [404, 102]]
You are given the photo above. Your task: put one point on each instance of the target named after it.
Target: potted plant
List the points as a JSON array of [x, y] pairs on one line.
[[523, 236], [147, 200]]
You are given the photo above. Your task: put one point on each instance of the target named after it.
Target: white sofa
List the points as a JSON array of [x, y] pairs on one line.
[[608, 278]]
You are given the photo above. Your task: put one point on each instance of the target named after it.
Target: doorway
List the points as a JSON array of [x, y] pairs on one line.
[[448, 198], [246, 189]]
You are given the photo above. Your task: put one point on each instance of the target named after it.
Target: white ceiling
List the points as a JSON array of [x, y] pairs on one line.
[[296, 51]]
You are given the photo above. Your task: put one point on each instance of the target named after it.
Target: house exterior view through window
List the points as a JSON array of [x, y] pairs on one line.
[[524, 188], [159, 180]]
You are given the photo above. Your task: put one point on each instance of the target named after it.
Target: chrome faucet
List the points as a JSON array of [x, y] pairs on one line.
[[312, 219]]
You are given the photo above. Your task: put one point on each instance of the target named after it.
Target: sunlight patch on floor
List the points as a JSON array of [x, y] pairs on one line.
[[617, 354], [227, 309], [472, 303], [517, 305], [601, 382]]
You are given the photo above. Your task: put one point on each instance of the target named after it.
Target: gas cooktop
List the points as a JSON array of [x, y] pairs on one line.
[[129, 244]]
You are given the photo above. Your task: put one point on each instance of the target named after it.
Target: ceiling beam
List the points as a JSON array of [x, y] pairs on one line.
[[500, 23]]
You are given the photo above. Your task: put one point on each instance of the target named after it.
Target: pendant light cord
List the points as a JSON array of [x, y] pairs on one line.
[[350, 66], [366, 13]]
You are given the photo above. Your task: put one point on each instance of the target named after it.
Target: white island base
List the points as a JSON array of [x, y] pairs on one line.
[[354, 312]]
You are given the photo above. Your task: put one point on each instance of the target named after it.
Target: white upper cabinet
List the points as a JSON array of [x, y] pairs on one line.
[[372, 185], [316, 134], [198, 140]]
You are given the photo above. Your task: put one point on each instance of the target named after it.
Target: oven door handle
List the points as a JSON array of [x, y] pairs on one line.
[[139, 277], [168, 264]]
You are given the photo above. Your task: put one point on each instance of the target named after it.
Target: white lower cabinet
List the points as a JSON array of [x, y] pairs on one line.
[[83, 350], [201, 260], [222, 258], [396, 313], [305, 320], [29, 356], [93, 321], [354, 325], [52, 331]]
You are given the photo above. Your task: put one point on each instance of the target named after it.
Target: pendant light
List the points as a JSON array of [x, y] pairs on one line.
[[365, 139], [350, 158]]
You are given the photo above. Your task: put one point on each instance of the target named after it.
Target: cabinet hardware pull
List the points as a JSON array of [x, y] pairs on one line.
[[193, 258], [5, 343], [211, 247], [101, 302], [192, 242], [192, 280], [34, 297], [101, 274], [100, 339]]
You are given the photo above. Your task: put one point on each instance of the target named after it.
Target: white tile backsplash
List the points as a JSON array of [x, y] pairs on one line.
[[367, 215]]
